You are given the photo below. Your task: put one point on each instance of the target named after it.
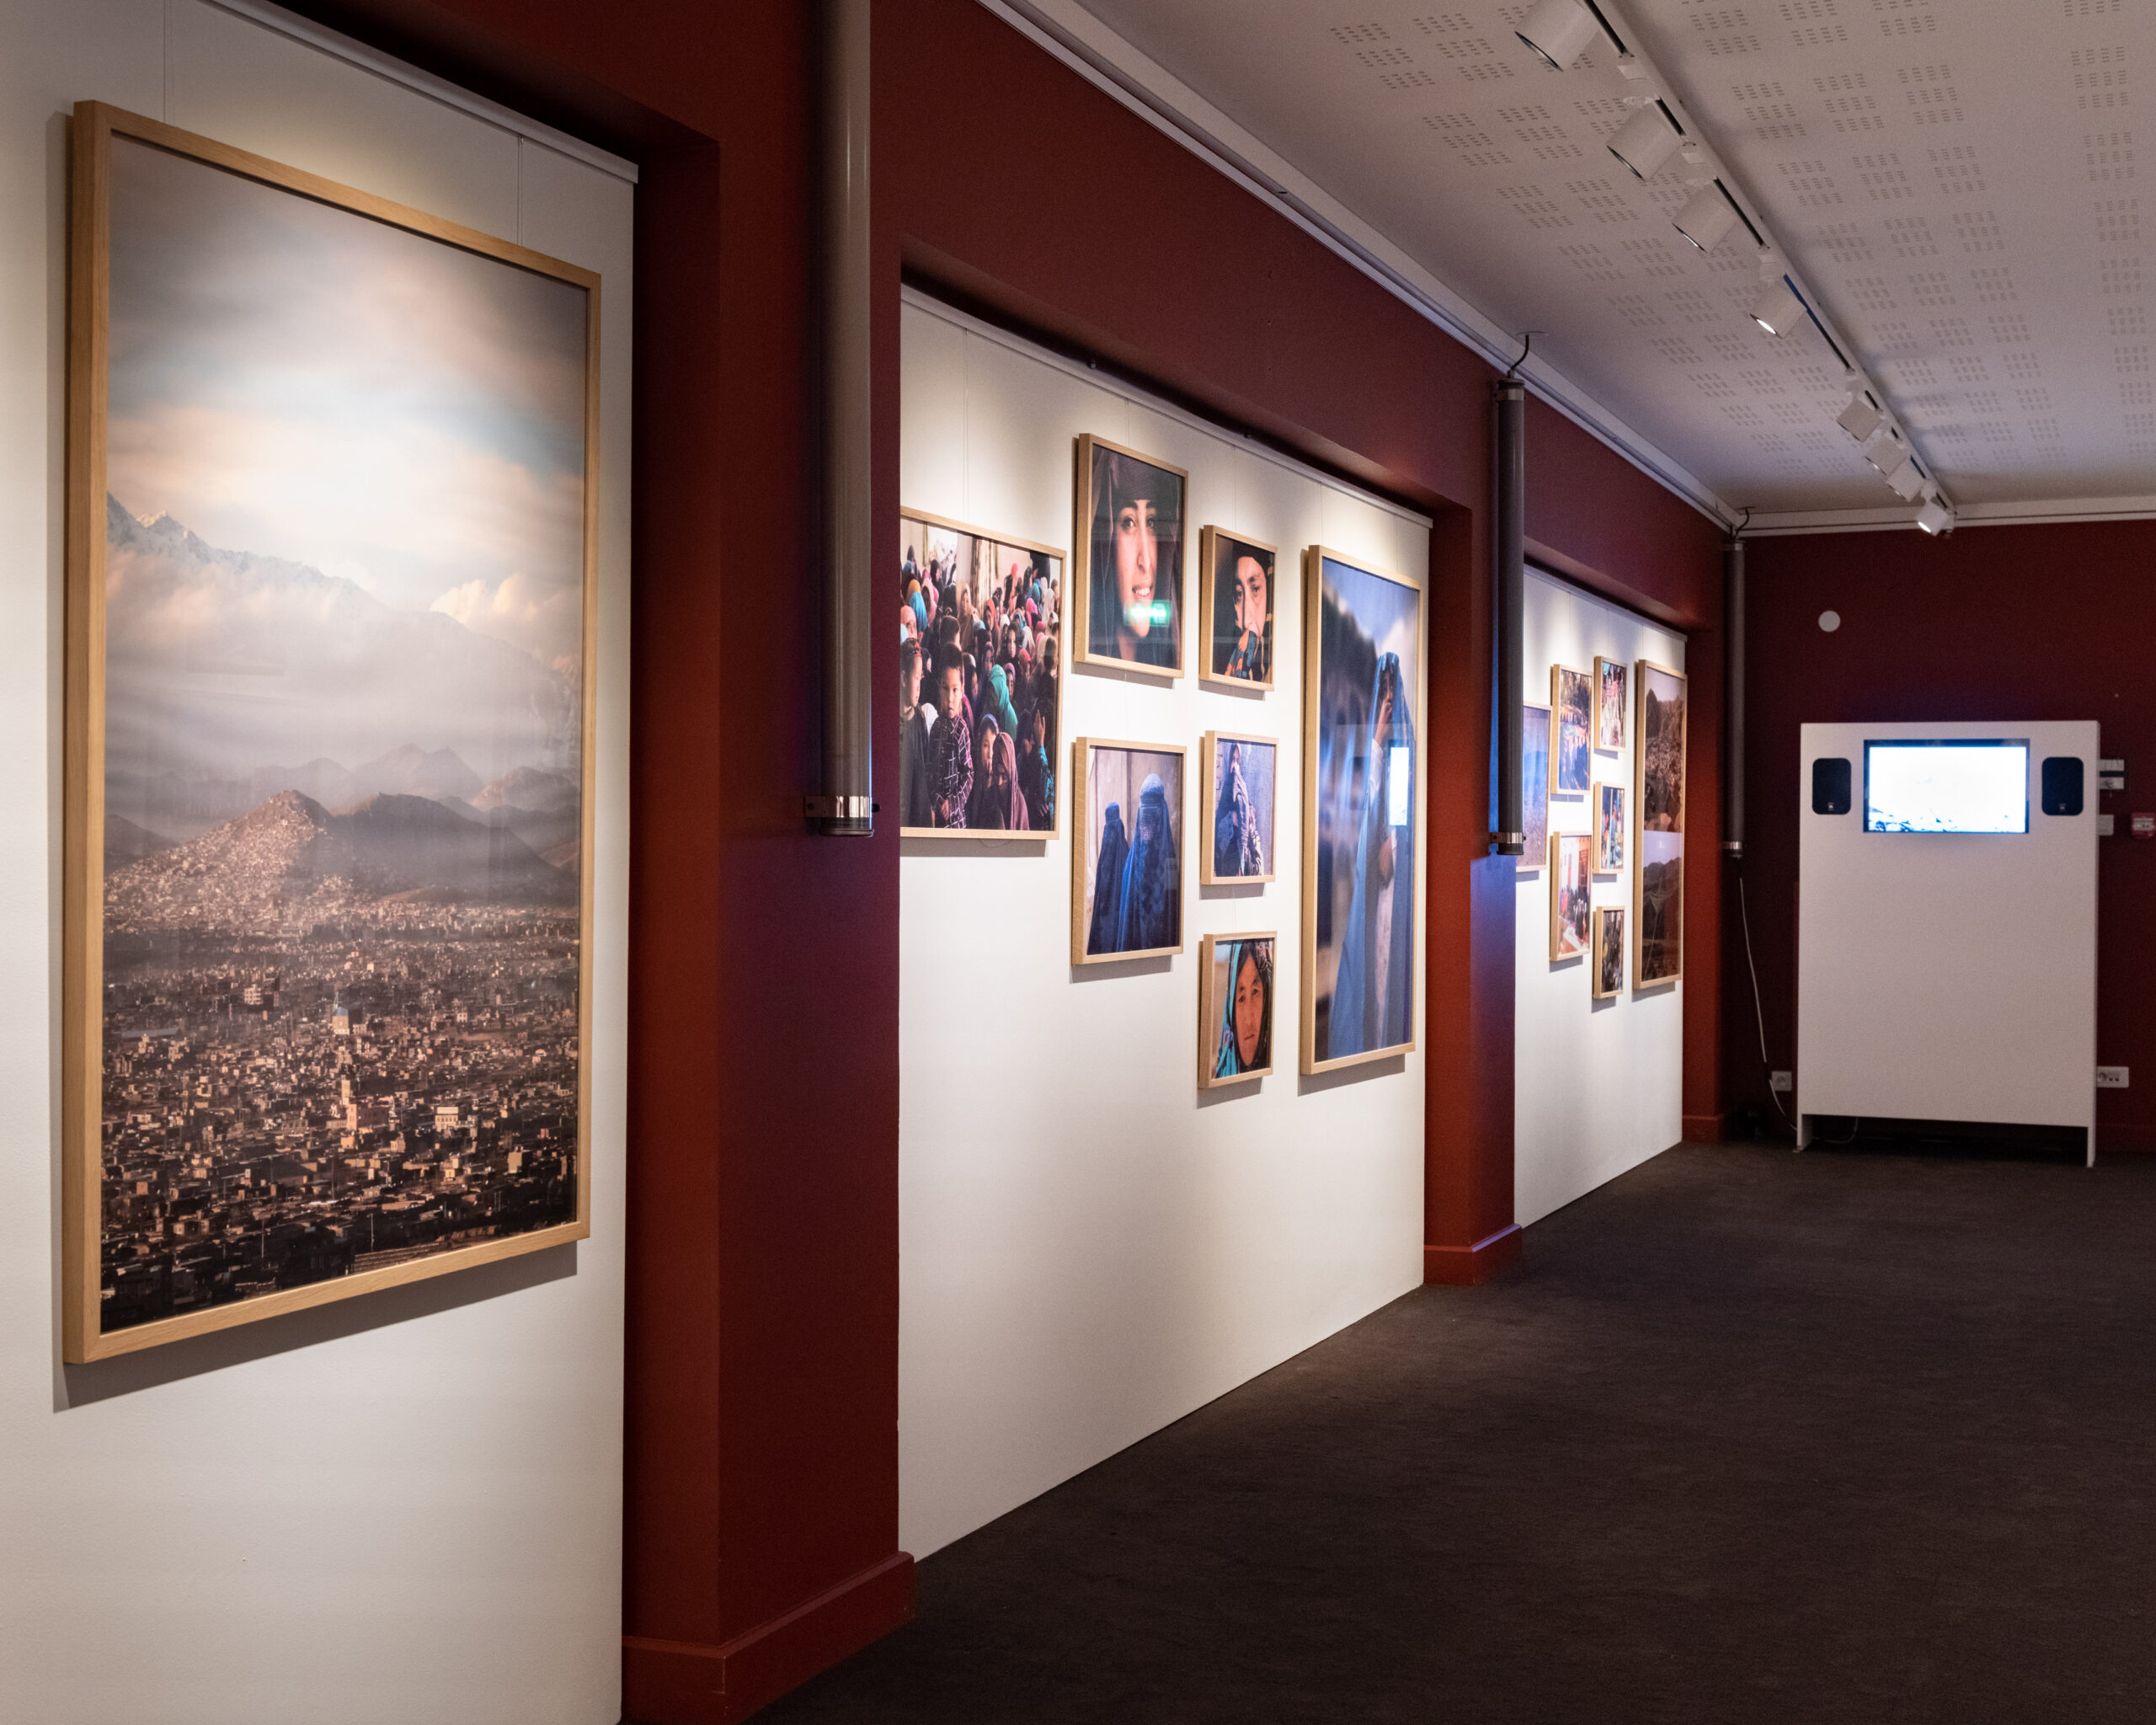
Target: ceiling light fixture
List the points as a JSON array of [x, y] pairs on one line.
[[1778, 310], [1862, 416], [1646, 142], [1934, 517], [1708, 217], [1885, 448], [1907, 480], [1558, 30]]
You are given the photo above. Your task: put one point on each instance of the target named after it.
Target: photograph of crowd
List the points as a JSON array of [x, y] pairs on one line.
[[1534, 788], [1608, 828], [1360, 818], [1234, 1008], [1236, 776], [1658, 849], [1571, 731], [980, 697], [1608, 951], [1235, 597], [1130, 533], [1126, 887], [1610, 703], [1570, 885]]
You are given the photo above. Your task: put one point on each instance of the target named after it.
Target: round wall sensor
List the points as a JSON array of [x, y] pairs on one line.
[[1830, 621]]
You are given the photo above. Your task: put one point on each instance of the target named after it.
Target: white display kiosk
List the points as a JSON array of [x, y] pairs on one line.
[[1947, 975]]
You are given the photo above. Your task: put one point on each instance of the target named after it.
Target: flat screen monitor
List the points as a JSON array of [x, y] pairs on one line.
[[1952, 784]]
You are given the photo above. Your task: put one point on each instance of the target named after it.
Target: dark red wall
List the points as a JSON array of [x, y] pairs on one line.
[[2039, 623]]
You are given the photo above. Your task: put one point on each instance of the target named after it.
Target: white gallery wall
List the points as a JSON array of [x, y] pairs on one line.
[[1597, 1086], [402, 1507], [1089, 1246]]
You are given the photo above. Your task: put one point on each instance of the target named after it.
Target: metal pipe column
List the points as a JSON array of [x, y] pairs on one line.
[[1733, 731], [1508, 415]]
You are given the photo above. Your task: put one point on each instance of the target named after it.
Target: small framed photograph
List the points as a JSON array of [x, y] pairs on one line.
[[1235, 1007], [1570, 731], [1235, 781], [1126, 590], [1570, 889], [1126, 868], [1234, 599], [1610, 705], [1608, 828], [1534, 788], [1608, 951]]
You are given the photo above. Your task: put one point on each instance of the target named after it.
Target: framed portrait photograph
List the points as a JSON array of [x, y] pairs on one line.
[[1658, 846], [1234, 1008], [1608, 951], [1610, 705], [1534, 788], [981, 703], [1362, 808], [1127, 596], [1234, 598], [1126, 870], [1572, 733], [1609, 804], [333, 478], [1236, 779], [1571, 889]]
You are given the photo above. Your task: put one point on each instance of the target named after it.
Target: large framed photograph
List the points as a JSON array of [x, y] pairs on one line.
[[980, 704], [1234, 598], [1235, 778], [1362, 809], [333, 471], [1234, 1008], [1658, 845], [1610, 705], [1571, 731], [1533, 787], [1608, 951], [1126, 868], [1608, 805], [1570, 891], [1127, 598]]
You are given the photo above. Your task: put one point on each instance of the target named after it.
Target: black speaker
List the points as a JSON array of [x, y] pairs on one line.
[[1830, 785], [2062, 784]]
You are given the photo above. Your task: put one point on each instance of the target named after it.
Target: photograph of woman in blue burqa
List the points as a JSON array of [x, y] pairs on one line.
[[1241, 977], [1242, 807], [1130, 875]]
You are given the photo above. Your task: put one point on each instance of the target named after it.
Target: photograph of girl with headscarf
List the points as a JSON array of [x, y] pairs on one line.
[[1234, 1008], [1361, 818], [1235, 596], [1235, 774], [1130, 541], [1126, 870], [980, 699]]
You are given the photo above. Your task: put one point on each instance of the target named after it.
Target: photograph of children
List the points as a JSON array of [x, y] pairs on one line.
[[1610, 705], [1609, 952], [1235, 774], [1235, 596], [1126, 870], [1128, 592], [1362, 643], [1534, 787], [1658, 853], [1234, 1008], [980, 620], [1608, 828], [1571, 734], [1569, 892]]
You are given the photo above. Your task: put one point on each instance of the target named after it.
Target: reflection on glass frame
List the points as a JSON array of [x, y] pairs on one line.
[[1239, 980], [1608, 951], [1610, 704], [1658, 827], [1533, 787], [1237, 793], [1126, 595], [980, 613], [1127, 840], [1571, 731], [1570, 890], [1608, 806], [1236, 577], [1362, 798], [309, 816]]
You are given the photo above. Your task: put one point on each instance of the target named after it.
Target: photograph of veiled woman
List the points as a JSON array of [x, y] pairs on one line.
[[1128, 867], [1239, 778], [1236, 1026], [1133, 534]]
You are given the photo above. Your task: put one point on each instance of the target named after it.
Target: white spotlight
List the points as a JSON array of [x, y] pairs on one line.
[[1778, 310], [1707, 220], [1886, 451], [1646, 141], [1859, 418], [1906, 480], [1558, 30], [1936, 518]]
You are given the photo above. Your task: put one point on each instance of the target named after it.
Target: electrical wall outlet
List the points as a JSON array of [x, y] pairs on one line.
[[2110, 1077], [1782, 1081]]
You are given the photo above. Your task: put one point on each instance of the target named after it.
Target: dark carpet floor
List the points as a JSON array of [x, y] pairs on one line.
[[1748, 1437]]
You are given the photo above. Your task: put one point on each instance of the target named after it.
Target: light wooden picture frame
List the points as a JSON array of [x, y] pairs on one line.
[[1110, 481], [1608, 962], [1253, 835], [1611, 704], [1607, 805], [281, 1085], [949, 556], [1226, 640], [1533, 787], [1139, 914], [1659, 795], [1222, 1058], [1571, 731], [1571, 888]]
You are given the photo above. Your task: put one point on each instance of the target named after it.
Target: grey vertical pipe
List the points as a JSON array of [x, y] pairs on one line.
[[843, 806], [1509, 547], [1733, 730]]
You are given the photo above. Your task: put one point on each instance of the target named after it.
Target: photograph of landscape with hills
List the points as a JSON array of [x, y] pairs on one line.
[[343, 707]]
